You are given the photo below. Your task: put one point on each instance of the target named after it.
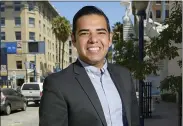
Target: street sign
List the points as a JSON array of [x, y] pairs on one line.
[[3, 70], [19, 47], [19, 44]]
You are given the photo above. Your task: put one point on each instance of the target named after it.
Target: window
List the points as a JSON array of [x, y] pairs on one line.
[[19, 64], [2, 7], [70, 59], [70, 43], [31, 6], [158, 14], [52, 46], [70, 51], [32, 36], [48, 56], [150, 14], [48, 44], [18, 35], [31, 22], [40, 37], [17, 21], [158, 2], [3, 36], [53, 58], [44, 28], [2, 21], [17, 5], [39, 24], [166, 13], [30, 87]]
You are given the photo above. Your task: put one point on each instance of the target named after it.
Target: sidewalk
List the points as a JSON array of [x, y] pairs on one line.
[[165, 114]]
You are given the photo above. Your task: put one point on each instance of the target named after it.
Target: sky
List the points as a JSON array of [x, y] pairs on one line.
[[113, 10]]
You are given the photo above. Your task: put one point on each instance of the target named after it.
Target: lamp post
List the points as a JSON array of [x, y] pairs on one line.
[[0, 45], [140, 7]]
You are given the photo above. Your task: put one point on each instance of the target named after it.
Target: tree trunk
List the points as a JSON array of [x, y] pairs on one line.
[[59, 53], [63, 55]]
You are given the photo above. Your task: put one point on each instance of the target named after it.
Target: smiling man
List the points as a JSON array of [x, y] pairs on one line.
[[91, 91]]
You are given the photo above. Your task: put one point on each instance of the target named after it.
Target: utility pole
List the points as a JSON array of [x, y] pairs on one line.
[[0, 45], [35, 68]]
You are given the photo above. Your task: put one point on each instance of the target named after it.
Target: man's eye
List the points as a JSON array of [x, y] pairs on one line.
[[101, 32], [84, 33]]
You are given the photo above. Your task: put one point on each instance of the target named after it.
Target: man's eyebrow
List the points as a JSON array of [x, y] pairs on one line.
[[101, 29], [86, 30]]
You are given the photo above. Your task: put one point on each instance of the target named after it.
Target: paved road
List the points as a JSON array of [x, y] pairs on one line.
[[22, 118], [165, 114]]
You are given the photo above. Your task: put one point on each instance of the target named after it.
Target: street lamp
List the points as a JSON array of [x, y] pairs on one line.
[[140, 7]]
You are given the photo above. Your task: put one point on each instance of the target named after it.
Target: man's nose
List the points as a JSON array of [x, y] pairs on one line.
[[93, 38]]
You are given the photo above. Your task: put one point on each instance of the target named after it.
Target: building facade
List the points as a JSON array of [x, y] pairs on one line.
[[22, 22], [160, 12], [73, 55]]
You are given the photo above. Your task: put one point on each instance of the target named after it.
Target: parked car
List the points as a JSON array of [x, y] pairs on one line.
[[32, 91], [12, 100]]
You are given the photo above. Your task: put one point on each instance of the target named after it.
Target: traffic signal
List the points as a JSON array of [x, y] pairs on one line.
[[36, 47]]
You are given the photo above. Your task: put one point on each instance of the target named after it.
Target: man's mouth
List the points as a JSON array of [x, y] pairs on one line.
[[93, 49]]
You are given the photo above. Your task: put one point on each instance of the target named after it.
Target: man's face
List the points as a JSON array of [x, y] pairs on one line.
[[92, 39]]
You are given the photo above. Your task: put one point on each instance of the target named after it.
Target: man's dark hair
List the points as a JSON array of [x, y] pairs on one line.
[[88, 10]]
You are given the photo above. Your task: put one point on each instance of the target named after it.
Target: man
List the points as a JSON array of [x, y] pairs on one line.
[[90, 92]]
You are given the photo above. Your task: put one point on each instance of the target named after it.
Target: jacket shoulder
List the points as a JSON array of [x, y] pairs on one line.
[[118, 67]]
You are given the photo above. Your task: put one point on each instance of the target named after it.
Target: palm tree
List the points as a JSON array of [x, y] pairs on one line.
[[118, 31], [62, 29]]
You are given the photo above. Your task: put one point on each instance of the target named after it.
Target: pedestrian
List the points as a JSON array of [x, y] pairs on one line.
[[91, 91]]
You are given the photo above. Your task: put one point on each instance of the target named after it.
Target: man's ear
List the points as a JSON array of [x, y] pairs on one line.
[[73, 40], [110, 39]]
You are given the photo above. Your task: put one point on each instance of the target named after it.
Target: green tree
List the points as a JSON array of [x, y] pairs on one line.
[[117, 36], [161, 47], [127, 54], [61, 27], [117, 31]]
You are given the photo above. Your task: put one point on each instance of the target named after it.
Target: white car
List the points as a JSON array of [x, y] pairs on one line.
[[32, 91]]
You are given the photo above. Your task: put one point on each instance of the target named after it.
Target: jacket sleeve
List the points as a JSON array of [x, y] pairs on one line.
[[135, 120], [53, 108]]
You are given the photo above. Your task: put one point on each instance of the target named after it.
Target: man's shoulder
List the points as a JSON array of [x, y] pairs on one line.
[[63, 74]]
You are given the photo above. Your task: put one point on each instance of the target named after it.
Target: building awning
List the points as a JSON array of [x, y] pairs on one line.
[[20, 76]]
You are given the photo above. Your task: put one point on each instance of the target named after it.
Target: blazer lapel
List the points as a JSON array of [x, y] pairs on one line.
[[118, 81], [86, 84]]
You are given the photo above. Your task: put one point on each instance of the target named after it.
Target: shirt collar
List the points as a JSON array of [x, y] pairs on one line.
[[93, 69]]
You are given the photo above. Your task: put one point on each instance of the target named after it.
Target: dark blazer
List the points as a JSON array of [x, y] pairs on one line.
[[69, 98]]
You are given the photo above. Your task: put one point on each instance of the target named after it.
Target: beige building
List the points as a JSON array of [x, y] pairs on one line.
[[73, 55], [23, 21], [169, 67]]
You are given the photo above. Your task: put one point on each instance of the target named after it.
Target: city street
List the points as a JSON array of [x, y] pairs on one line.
[[165, 114], [22, 118]]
